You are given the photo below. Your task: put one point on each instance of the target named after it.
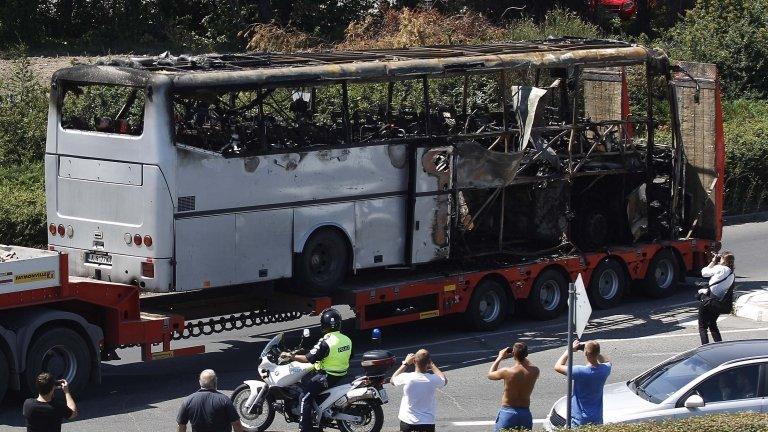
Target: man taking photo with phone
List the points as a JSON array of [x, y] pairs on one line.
[[519, 380], [45, 414]]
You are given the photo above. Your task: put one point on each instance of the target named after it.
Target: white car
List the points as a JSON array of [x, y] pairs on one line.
[[724, 377]]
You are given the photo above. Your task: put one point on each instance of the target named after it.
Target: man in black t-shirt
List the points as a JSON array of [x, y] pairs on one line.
[[45, 414], [207, 409]]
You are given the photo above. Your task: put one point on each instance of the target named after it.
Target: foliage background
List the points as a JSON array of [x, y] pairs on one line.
[[731, 33]]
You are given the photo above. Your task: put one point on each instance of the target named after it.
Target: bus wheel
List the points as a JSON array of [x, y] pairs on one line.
[[4, 375], [322, 265], [548, 295], [62, 353], [488, 307], [607, 285], [661, 277]]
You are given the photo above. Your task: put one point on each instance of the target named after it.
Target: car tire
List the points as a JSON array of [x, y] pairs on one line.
[[488, 307], [63, 353], [607, 284], [662, 275], [548, 296], [323, 263]]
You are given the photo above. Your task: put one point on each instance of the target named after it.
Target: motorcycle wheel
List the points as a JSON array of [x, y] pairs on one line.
[[253, 422], [370, 411]]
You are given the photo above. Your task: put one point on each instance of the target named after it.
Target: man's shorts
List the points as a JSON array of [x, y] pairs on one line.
[[513, 418], [405, 427]]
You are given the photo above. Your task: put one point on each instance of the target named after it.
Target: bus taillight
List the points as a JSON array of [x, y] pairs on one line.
[[147, 241], [137, 239], [70, 231], [52, 229], [61, 230]]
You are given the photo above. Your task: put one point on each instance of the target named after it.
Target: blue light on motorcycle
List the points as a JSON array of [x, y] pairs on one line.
[[376, 335]]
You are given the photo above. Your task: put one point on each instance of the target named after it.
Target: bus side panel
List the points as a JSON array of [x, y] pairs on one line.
[[697, 109], [205, 251], [263, 245], [379, 232]]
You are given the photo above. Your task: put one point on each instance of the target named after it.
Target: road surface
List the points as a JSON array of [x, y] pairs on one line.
[[636, 335]]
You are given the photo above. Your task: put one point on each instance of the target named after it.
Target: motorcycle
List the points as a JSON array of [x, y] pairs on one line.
[[349, 406]]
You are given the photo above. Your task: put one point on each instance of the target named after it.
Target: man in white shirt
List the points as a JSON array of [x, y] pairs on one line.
[[721, 278], [417, 408]]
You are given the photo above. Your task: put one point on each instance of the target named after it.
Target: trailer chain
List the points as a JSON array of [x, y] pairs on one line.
[[234, 322]]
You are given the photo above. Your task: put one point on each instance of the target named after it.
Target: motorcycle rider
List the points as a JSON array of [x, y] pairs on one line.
[[330, 356]]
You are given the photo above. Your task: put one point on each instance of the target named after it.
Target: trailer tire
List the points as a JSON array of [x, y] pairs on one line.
[[323, 263], [662, 275], [5, 375], [488, 307], [607, 284], [63, 353], [548, 295]]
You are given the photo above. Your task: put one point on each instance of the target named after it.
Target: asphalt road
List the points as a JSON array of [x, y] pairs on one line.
[[136, 396]]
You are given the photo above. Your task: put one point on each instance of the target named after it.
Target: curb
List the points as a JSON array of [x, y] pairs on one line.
[[753, 305], [745, 218]]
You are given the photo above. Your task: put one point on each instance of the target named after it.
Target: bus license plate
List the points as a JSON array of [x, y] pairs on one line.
[[97, 258]]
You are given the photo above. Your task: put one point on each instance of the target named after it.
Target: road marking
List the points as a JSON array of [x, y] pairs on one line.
[[488, 422]]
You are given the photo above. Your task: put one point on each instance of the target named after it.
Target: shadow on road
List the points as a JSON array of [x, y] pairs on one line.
[[135, 387]]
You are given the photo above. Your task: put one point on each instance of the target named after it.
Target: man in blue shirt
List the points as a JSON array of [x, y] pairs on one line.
[[588, 382]]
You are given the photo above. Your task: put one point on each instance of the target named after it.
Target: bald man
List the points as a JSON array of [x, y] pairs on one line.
[[207, 409]]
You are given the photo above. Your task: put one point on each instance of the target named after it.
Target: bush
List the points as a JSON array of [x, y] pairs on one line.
[[23, 116], [746, 144], [747, 422], [731, 33], [22, 205]]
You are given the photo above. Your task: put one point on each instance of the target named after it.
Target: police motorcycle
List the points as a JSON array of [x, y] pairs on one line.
[[349, 406]]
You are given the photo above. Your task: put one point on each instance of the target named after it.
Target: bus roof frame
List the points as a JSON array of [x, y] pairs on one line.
[[270, 69]]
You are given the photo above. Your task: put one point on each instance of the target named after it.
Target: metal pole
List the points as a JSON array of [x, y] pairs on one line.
[[571, 315]]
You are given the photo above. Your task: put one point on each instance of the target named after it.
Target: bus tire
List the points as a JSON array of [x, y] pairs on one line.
[[5, 375], [607, 285], [488, 307], [662, 274], [63, 353], [323, 263], [548, 296]]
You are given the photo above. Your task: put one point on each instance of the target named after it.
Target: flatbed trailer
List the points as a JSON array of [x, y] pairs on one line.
[[67, 325]]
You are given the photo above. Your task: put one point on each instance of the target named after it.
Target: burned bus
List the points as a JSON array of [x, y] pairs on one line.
[[190, 172]]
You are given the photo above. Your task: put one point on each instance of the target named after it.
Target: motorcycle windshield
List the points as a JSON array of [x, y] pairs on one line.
[[273, 343]]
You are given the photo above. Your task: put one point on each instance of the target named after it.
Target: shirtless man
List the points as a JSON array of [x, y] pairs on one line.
[[519, 381]]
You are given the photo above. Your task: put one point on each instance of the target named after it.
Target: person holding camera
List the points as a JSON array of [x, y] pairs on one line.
[[418, 407], [44, 414], [717, 297], [519, 380], [588, 382]]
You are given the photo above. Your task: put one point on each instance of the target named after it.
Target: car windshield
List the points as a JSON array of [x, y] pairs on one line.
[[273, 343], [659, 383]]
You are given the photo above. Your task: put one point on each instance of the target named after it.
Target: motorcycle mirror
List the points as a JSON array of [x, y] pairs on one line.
[[305, 333]]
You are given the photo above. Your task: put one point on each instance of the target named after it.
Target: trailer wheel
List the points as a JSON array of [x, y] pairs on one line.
[[4, 375], [61, 352], [607, 285], [661, 277], [488, 307], [548, 295], [322, 265]]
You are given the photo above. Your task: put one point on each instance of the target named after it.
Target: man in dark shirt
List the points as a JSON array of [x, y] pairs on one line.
[[207, 409], [45, 414]]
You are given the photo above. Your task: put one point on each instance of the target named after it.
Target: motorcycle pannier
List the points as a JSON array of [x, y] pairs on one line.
[[378, 362]]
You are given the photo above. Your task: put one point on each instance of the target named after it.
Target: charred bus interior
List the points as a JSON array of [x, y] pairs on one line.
[[574, 156]]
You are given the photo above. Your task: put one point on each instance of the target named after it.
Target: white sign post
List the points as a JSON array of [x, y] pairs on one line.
[[579, 311]]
